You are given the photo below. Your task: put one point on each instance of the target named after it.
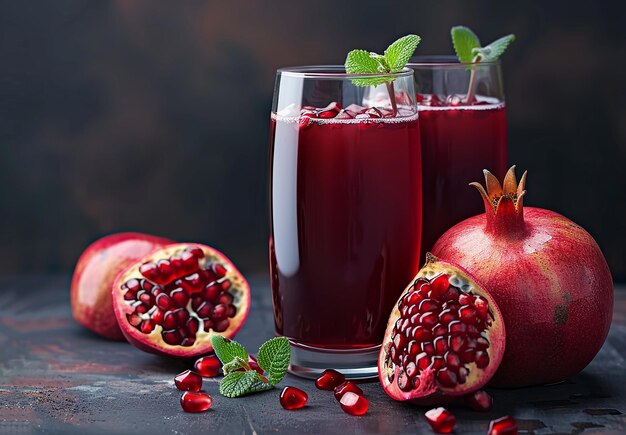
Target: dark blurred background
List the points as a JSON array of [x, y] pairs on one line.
[[153, 115]]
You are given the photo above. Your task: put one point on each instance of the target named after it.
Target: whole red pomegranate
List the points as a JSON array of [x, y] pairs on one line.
[[90, 293], [173, 299], [547, 275], [444, 338]]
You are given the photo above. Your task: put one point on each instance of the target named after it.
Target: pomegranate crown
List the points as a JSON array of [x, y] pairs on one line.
[[497, 193], [503, 202]]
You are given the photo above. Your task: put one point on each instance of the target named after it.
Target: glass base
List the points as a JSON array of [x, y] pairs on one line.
[[309, 362]]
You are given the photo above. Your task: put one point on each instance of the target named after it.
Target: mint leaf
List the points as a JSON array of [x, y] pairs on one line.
[[362, 62], [464, 42], [399, 52], [236, 364], [395, 58], [274, 357], [238, 383], [494, 50], [226, 349]]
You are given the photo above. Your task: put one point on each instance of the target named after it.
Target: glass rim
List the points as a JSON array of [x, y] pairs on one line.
[[445, 61], [334, 72]]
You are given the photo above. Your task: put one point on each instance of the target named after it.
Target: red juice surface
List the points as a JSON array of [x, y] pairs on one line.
[[457, 144], [345, 226]]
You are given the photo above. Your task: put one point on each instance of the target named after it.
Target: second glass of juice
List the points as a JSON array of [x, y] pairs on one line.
[[463, 131], [345, 213]]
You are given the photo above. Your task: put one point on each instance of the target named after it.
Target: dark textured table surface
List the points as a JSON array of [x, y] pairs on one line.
[[56, 377]]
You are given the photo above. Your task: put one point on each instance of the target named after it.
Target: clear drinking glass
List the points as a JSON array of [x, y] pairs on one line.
[[345, 213], [462, 133]]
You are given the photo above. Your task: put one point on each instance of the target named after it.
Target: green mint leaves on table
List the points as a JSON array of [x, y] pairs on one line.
[[468, 49], [393, 60], [239, 378]]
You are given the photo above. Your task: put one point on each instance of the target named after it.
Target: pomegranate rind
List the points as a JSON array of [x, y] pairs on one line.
[[429, 390], [153, 342], [95, 271]]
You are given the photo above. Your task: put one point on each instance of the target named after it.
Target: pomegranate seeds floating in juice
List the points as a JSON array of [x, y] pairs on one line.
[[188, 381], [354, 404], [329, 379], [195, 402], [441, 420], [208, 366], [293, 398], [503, 426]]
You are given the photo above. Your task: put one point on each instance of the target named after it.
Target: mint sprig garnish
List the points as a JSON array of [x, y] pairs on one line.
[[468, 49], [239, 378], [392, 61]]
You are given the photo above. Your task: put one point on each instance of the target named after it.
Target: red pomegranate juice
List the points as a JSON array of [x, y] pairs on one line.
[[458, 142], [345, 225]]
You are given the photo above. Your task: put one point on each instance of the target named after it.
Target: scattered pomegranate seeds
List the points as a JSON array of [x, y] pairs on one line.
[[254, 365], [329, 379], [195, 402], [479, 401], [208, 366], [441, 420], [347, 386], [188, 381], [293, 398], [503, 426], [354, 404]]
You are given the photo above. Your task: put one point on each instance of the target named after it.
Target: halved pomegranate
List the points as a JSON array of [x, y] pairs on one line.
[[445, 336], [173, 299]]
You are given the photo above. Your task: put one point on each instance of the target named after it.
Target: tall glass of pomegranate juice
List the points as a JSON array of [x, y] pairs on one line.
[[345, 213], [463, 131]]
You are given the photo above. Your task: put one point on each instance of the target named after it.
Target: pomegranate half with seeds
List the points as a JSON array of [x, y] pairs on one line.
[[445, 337], [172, 300]]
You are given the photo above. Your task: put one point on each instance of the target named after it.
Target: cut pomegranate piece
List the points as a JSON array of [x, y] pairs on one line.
[[431, 344], [188, 381], [329, 379], [503, 426], [354, 404], [208, 366], [441, 420], [479, 401], [174, 298], [195, 402], [347, 386], [293, 398]]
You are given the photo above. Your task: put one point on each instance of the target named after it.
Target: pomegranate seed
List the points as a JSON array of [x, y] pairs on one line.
[[413, 348], [414, 298], [411, 369], [422, 334], [329, 379], [347, 386], [482, 359], [422, 360], [503, 426], [437, 362], [479, 401], [190, 262], [133, 285], [192, 283], [171, 337], [146, 326], [468, 355], [163, 301], [428, 305], [195, 402], [482, 343], [150, 271], [165, 269], [453, 361], [447, 378], [428, 348], [354, 404], [428, 320], [134, 319], [439, 286], [466, 299], [208, 366], [447, 316], [196, 251], [441, 345], [204, 310], [457, 328], [188, 381], [169, 320], [456, 343], [157, 316], [179, 297], [192, 326], [225, 285], [293, 398], [441, 420], [467, 314], [219, 270], [212, 292], [254, 365], [220, 312], [221, 326]]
